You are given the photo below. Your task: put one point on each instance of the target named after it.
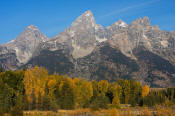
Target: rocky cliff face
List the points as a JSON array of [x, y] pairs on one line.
[[83, 35], [138, 51], [8, 60], [20, 50]]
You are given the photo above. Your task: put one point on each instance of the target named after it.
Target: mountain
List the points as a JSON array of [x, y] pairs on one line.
[[20, 50], [138, 51], [83, 35]]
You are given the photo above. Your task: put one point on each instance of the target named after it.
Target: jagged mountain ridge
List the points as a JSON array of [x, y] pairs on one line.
[[137, 51], [22, 47]]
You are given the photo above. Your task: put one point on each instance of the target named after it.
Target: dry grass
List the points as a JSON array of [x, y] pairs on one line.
[[110, 112]]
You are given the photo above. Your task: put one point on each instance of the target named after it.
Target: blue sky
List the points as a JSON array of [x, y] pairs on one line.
[[53, 16]]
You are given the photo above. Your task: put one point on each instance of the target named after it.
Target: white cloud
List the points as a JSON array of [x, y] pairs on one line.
[[132, 7]]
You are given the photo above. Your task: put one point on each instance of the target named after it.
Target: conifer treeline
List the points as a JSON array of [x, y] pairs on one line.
[[35, 89]]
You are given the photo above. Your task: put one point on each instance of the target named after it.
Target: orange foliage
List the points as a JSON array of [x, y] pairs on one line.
[[145, 90]]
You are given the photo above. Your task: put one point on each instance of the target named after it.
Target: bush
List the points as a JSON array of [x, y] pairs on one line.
[[16, 111], [1, 113], [99, 102]]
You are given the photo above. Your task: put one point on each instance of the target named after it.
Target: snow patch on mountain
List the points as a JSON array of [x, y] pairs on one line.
[[100, 39], [121, 23]]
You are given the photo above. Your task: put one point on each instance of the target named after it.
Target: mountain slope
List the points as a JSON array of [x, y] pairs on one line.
[[23, 46]]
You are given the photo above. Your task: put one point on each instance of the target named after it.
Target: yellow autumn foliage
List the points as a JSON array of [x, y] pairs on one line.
[[35, 82], [145, 90]]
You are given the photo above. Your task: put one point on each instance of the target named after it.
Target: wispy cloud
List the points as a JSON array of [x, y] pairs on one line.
[[128, 8]]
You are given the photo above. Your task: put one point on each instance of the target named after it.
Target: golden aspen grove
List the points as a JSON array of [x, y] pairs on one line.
[[36, 89]]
